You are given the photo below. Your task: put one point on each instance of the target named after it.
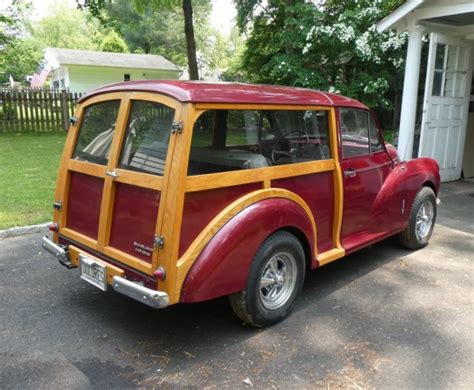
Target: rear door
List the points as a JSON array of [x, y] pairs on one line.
[[115, 168]]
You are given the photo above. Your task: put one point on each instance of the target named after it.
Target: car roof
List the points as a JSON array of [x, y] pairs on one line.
[[224, 92]]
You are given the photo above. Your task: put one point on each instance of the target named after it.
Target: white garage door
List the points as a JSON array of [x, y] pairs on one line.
[[445, 109]]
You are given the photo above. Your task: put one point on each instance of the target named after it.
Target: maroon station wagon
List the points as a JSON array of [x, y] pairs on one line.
[[176, 192]]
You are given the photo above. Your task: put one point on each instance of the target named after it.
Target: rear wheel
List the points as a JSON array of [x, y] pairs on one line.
[[422, 220], [275, 280]]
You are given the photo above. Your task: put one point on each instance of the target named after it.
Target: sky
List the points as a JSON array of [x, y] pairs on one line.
[[223, 11]]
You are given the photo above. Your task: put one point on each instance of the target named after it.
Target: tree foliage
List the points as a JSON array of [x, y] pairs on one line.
[[112, 42], [332, 45]]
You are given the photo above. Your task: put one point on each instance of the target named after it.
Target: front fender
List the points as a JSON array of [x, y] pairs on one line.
[[391, 208], [222, 267]]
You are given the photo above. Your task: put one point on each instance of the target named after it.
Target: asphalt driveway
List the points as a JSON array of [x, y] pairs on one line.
[[382, 318]]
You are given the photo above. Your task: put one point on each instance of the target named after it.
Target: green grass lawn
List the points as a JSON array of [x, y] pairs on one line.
[[28, 168]]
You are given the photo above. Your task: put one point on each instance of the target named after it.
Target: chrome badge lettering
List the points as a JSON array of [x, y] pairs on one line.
[[142, 249]]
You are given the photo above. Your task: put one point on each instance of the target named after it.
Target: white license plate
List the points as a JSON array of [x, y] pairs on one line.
[[93, 272]]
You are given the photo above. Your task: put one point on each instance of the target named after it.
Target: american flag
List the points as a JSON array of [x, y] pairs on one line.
[[40, 76]]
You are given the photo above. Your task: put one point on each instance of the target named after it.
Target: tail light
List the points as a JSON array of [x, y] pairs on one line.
[[54, 227], [160, 273]]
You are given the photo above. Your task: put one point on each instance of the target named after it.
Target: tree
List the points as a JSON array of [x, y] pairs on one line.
[[112, 42], [330, 46], [100, 8], [68, 28]]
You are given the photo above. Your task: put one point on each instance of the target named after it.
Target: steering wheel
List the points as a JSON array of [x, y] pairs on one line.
[[293, 151]]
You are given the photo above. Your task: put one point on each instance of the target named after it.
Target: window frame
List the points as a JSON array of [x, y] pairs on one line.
[[203, 108]]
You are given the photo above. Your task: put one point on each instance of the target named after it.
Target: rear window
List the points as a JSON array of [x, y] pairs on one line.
[[96, 132], [147, 137]]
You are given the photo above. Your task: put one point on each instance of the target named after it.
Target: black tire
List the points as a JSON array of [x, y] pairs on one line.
[[256, 305], [411, 237]]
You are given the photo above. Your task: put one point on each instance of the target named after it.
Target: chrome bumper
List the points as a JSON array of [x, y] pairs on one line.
[[155, 299], [59, 251]]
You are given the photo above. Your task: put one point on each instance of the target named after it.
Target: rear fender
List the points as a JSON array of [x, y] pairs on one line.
[[222, 267], [393, 203]]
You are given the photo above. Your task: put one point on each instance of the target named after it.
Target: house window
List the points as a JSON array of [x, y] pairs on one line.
[[63, 84], [56, 84], [449, 77], [126, 77]]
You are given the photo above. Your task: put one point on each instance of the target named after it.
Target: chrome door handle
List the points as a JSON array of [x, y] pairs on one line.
[[112, 174], [351, 172]]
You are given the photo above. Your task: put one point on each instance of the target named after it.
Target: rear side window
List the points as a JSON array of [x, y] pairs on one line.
[[375, 142], [229, 140], [147, 136], [96, 132]]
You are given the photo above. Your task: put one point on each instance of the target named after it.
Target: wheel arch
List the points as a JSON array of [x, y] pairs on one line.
[[221, 267]]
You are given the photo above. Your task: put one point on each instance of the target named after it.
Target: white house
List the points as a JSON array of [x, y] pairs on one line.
[[447, 125], [83, 70]]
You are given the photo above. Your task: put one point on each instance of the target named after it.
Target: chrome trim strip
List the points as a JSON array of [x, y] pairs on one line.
[[153, 298], [59, 251]]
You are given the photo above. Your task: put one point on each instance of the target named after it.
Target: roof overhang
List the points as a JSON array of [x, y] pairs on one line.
[[435, 15]]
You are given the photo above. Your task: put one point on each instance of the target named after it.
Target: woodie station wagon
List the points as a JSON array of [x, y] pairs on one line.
[[176, 192]]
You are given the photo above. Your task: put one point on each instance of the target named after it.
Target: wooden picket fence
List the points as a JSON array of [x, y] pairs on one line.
[[38, 110]]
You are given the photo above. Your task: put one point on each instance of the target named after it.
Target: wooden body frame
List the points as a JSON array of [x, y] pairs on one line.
[[173, 191]]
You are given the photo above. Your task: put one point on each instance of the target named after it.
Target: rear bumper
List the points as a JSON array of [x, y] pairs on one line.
[[153, 298], [59, 251]]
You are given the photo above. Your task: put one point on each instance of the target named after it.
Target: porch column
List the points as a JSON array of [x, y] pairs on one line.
[[410, 94]]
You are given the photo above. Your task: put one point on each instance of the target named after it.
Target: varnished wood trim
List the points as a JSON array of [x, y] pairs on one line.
[[192, 253], [78, 237], [112, 270], [267, 183], [87, 168], [337, 183], [171, 207], [127, 259], [227, 179], [331, 255], [139, 179]]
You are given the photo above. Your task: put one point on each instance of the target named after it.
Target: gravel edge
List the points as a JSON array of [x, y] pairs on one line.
[[23, 230]]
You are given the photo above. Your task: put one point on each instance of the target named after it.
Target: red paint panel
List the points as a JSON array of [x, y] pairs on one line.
[[134, 220], [317, 191], [83, 207], [200, 207], [222, 267], [210, 92]]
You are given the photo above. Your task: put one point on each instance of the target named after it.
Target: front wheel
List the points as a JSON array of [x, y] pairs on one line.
[[422, 220], [275, 280]]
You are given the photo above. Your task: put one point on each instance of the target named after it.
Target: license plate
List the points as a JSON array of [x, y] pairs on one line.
[[93, 272]]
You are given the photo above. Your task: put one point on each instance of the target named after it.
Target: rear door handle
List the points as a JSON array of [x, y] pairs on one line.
[[112, 174], [351, 172]]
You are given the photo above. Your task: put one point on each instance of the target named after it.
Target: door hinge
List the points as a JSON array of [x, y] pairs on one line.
[[58, 205], [159, 242], [73, 120], [177, 127]]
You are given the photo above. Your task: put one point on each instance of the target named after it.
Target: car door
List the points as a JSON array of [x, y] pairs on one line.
[[365, 165]]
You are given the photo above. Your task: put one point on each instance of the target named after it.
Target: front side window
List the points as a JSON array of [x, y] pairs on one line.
[[96, 132], [147, 136], [229, 140], [359, 133], [354, 126]]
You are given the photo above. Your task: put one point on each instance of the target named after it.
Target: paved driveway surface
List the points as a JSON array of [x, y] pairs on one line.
[[381, 318]]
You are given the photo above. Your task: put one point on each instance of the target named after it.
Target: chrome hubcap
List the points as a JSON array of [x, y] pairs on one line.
[[278, 280], [424, 220]]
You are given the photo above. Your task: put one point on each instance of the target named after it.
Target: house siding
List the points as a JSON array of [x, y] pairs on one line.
[[86, 78]]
